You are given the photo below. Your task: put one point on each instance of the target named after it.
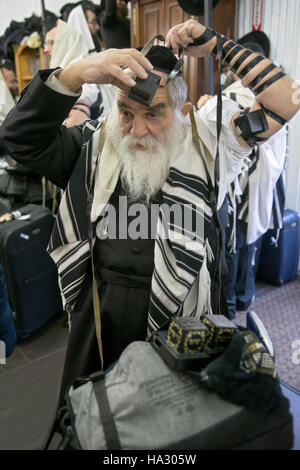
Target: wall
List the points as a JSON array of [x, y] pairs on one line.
[[19, 9], [281, 23]]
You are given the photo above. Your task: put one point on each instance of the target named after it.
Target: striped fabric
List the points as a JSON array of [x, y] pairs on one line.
[[242, 204], [69, 243]]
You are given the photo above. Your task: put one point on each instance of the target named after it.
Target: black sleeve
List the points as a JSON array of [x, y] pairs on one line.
[[109, 16], [33, 134]]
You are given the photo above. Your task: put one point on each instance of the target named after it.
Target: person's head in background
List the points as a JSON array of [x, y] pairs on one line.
[[50, 27], [91, 17], [49, 41], [9, 75], [122, 9]]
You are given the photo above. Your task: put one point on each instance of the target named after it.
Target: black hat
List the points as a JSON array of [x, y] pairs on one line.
[[6, 63], [260, 39], [66, 10], [162, 58], [50, 20], [194, 7]]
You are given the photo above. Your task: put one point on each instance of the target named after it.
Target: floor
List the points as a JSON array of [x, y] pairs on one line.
[[29, 384]]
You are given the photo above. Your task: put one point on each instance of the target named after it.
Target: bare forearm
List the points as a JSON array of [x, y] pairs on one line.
[[275, 91], [272, 87], [106, 67], [71, 78]]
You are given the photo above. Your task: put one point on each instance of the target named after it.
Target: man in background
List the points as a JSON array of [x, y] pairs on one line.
[[89, 10], [9, 87], [114, 22]]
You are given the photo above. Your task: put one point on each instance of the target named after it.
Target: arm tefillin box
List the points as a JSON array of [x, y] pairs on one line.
[[221, 331], [187, 335], [191, 344]]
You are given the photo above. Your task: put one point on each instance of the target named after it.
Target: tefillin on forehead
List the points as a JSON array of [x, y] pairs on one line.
[[162, 59]]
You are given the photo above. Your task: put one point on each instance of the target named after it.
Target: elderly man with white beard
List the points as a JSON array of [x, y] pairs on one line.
[[140, 156]]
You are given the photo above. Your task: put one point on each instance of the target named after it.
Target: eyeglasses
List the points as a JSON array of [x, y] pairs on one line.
[[49, 43], [93, 22]]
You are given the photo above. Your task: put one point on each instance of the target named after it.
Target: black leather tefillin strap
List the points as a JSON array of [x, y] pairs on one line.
[[229, 51], [220, 217]]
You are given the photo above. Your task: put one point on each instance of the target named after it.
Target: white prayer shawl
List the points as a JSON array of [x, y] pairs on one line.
[[6, 100], [263, 179], [78, 21], [180, 281], [69, 46]]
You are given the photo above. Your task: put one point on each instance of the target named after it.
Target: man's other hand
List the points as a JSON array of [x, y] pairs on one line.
[[183, 35], [106, 67]]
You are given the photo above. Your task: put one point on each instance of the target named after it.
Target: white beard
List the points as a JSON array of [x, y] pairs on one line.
[[143, 173]]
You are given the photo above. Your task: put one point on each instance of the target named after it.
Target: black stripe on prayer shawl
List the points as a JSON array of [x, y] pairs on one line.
[[87, 132], [172, 199], [186, 268], [58, 234], [278, 202], [243, 201], [190, 259], [168, 264], [164, 288], [158, 313], [243, 205], [72, 213], [73, 261], [70, 253], [160, 307], [173, 245], [253, 163], [191, 183]]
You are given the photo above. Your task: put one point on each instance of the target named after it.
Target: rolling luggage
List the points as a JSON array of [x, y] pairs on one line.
[[7, 327], [279, 258], [30, 273]]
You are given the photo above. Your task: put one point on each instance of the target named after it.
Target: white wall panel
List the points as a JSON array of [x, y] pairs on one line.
[[19, 9]]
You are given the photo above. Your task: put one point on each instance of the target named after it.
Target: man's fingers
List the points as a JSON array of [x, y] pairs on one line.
[[143, 61], [174, 41], [185, 37], [135, 67], [120, 77]]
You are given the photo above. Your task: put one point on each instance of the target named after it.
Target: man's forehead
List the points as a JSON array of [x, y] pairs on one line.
[[90, 15], [160, 97], [9, 74], [51, 33]]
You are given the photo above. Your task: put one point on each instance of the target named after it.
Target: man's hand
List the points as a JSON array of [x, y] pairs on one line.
[[106, 67], [184, 34]]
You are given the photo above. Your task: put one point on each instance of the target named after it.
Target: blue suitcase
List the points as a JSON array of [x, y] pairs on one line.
[[31, 275], [279, 259]]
